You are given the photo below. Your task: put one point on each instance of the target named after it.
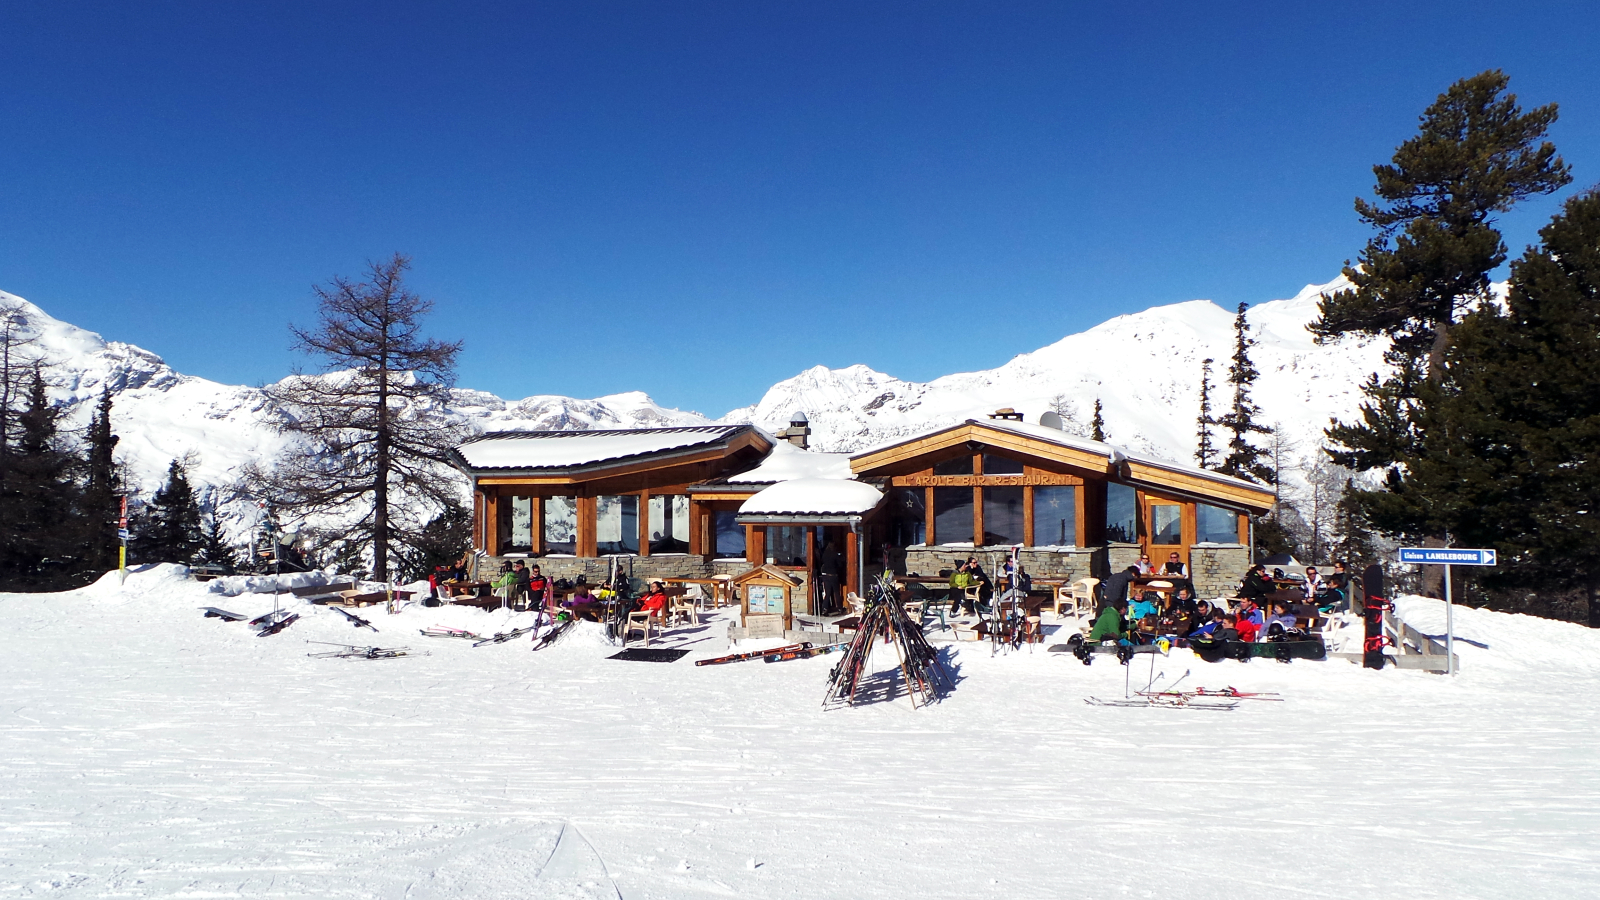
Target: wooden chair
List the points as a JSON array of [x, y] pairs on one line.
[[1033, 630], [856, 605]]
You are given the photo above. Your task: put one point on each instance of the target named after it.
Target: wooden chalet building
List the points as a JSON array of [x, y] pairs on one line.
[[1078, 507], [723, 499]]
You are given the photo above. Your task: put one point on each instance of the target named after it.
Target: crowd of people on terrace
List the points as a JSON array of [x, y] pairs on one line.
[[1265, 606]]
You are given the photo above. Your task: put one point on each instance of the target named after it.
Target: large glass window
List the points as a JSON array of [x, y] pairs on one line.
[[1166, 523], [1055, 516], [999, 465], [616, 524], [952, 515], [1122, 514], [516, 524], [786, 545], [907, 518], [730, 535], [1002, 515], [1214, 525], [560, 525], [961, 465], [669, 524]]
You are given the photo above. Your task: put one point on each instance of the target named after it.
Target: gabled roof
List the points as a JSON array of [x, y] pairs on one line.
[[1048, 443], [576, 452]]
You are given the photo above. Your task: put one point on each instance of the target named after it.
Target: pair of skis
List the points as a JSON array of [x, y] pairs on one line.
[[754, 654], [351, 651], [440, 631], [807, 653], [1164, 702], [1231, 693], [354, 619]]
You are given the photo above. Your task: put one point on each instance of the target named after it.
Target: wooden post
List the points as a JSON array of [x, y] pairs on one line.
[[977, 517], [587, 516], [927, 511], [477, 518], [1027, 516], [697, 528], [536, 527], [644, 523], [491, 522], [852, 556], [755, 544]]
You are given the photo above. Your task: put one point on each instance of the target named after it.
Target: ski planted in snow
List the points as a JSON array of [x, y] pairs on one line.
[[741, 657]]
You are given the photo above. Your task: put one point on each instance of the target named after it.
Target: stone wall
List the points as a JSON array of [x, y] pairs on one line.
[[641, 569], [1217, 569], [1120, 556]]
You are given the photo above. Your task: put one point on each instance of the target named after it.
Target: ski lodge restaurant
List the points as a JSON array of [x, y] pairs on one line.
[[693, 503]]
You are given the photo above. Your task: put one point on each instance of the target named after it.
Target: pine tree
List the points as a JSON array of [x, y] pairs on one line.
[[214, 547], [169, 526], [1097, 425], [1508, 434], [371, 430], [102, 489], [1476, 154], [1244, 459], [1206, 453], [40, 491]]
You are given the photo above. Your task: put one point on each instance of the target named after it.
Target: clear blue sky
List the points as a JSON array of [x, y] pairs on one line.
[[698, 200]]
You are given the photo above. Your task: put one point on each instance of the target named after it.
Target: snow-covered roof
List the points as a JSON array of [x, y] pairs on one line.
[[813, 497], [1112, 453], [787, 462], [570, 449]]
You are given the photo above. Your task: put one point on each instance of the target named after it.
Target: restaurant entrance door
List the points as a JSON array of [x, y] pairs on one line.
[[1165, 529]]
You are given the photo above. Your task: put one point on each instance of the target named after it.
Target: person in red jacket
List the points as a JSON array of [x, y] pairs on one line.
[[1247, 629], [654, 600]]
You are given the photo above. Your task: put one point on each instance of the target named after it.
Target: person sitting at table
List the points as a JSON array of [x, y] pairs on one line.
[[519, 582], [1110, 625], [1176, 619], [1249, 611], [1230, 629], [1144, 606], [1281, 620], [654, 600], [1313, 584], [1183, 596], [980, 578], [1174, 566], [1208, 628], [1242, 626], [584, 605], [1256, 585], [1143, 565]]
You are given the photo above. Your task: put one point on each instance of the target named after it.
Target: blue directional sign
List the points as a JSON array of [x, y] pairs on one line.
[[1446, 556]]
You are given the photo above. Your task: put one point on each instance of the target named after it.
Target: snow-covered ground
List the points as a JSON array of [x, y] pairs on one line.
[[146, 751]]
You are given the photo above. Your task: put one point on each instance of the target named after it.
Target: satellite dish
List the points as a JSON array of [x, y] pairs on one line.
[[1051, 419]]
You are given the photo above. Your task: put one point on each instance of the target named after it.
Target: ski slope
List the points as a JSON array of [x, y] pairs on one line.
[[146, 751]]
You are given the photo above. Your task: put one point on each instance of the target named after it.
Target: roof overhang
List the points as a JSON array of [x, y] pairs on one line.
[[715, 447]]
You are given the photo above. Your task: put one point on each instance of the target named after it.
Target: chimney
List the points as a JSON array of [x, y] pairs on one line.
[[1006, 413], [798, 432]]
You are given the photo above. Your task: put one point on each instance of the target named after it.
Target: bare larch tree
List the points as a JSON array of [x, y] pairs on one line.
[[370, 429]]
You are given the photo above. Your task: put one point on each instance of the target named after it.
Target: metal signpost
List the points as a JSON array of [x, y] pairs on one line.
[[1447, 557]]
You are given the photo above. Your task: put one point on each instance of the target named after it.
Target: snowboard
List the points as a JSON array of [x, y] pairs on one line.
[[213, 613]]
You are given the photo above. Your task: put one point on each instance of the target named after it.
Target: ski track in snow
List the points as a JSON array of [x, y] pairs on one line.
[[146, 751]]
